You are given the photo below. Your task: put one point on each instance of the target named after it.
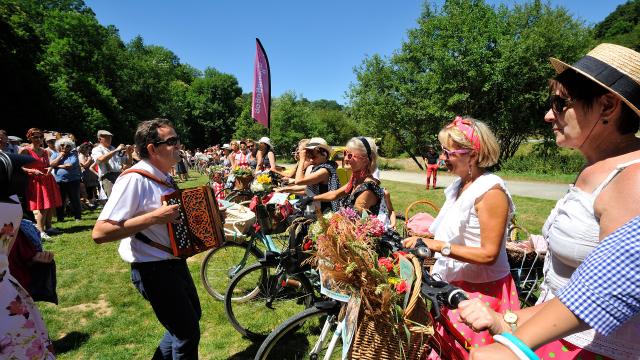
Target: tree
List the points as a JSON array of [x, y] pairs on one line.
[[621, 26], [213, 108], [468, 58]]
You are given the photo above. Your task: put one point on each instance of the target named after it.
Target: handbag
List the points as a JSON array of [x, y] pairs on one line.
[[43, 282]]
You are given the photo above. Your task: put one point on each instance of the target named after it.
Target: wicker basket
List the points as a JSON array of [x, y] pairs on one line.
[[243, 182], [375, 339]]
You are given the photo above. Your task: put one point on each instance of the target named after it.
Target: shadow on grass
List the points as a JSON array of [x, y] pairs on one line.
[[293, 346], [247, 353], [71, 341], [77, 228]]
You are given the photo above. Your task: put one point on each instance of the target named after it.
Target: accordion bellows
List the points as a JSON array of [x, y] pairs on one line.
[[201, 225]]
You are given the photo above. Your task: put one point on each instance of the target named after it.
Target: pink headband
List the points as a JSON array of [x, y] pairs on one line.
[[466, 127]]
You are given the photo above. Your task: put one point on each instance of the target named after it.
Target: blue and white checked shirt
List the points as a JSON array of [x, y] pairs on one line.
[[604, 291]]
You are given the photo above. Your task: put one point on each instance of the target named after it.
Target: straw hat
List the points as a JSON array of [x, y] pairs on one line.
[[614, 67], [318, 142]]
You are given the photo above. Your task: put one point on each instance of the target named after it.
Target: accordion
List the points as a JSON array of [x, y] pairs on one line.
[[201, 225]]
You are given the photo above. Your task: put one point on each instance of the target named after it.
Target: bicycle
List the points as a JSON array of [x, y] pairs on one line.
[[221, 264], [263, 295], [314, 333]]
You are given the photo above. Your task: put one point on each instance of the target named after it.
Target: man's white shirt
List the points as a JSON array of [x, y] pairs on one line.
[[114, 164], [134, 195]]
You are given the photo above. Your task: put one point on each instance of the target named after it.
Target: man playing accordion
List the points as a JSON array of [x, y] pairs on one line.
[[136, 215]]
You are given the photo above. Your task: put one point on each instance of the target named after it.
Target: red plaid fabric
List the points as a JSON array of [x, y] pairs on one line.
[[218, 190]]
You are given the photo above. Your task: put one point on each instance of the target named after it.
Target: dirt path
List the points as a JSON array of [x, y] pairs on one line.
[[532, 189]]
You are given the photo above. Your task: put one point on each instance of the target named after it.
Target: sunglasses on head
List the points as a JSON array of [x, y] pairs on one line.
[[447, 153], [170, 141], [560, 104]]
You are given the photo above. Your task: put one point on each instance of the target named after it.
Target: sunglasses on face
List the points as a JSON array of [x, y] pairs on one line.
[[560, 104], [447, 153], [37, 137], [350, 155], [172, 141]]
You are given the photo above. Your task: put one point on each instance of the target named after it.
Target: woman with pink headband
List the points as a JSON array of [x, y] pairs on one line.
[[471, 229]]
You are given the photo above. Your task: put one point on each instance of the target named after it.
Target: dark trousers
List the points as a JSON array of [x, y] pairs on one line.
[[169, 288], [71, 190]]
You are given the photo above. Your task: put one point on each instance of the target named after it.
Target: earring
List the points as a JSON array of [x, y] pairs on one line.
[[605, 121], [469, 170]]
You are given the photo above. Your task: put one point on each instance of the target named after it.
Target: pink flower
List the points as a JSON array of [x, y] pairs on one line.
[[29, 324], [16, 307], [386, 263], [401, 287], [36, 349]]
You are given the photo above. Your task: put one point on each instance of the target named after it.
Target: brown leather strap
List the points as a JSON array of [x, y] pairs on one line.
[[145, 239], [140, 236], [147, 175]]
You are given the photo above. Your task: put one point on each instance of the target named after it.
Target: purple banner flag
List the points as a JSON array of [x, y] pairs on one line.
[[261, 102]]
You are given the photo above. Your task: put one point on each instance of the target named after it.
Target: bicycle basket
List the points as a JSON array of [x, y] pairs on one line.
[[270, 219], [375, 338]]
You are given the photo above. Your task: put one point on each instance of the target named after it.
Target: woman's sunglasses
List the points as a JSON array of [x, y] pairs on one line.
[[560, 104], [349, 156], [170, 141], [447, 153]]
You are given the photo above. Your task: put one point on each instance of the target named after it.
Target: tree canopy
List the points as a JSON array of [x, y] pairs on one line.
[[469, 58]]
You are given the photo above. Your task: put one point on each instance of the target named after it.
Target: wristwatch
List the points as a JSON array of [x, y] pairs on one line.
[[511, 319], [446, 249]]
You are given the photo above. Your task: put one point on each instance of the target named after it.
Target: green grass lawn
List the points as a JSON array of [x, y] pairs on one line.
[[102, 316]]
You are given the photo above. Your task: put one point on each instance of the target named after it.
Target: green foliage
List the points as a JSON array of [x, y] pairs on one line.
[[621, 26], [390, 147], [545, 159], [468, 58]]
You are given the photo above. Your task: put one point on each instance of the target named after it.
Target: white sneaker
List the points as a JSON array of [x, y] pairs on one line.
[[44, 236]]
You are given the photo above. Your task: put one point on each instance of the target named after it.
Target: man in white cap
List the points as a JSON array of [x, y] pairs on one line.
[[110, 160]]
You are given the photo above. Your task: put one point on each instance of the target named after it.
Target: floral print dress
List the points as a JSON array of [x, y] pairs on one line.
[[23, 334]]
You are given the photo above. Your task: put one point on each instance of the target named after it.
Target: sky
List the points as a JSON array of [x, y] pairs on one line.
[[313, 46]]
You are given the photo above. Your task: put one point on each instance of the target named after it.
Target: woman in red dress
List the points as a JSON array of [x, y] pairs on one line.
[[43, 195]]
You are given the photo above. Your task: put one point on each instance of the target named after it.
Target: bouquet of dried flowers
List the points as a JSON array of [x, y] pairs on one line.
[[345, 246]]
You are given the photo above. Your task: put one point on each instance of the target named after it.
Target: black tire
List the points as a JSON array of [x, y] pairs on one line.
[[221, 265], [246, 306], [239, 196], [296, 337]]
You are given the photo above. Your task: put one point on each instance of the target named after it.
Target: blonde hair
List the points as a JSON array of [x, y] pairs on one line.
[[489, 151], [356, 143]]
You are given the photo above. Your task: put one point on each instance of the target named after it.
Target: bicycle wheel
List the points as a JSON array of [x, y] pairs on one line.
[[254, 314], [223, 263], [302, 337], [239, 196]]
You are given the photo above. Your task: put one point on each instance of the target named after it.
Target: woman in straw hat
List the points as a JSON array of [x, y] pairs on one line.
[[363, 191], [595, 109], [323, 176]]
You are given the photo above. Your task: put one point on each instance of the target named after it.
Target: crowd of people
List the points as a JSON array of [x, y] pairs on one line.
[[592, 233]]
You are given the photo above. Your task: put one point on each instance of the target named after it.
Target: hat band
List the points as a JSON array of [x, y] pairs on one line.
[[611, 77]]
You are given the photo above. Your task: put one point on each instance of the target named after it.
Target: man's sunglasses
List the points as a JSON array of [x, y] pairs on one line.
[[170, 141], [560, 104], [447, 153]]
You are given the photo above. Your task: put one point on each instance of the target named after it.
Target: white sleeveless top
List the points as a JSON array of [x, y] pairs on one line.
[[572, 231], [458, 223]]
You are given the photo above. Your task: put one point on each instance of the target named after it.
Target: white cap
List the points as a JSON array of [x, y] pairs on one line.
[[104, 133], [265, 140], [226, 146]]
